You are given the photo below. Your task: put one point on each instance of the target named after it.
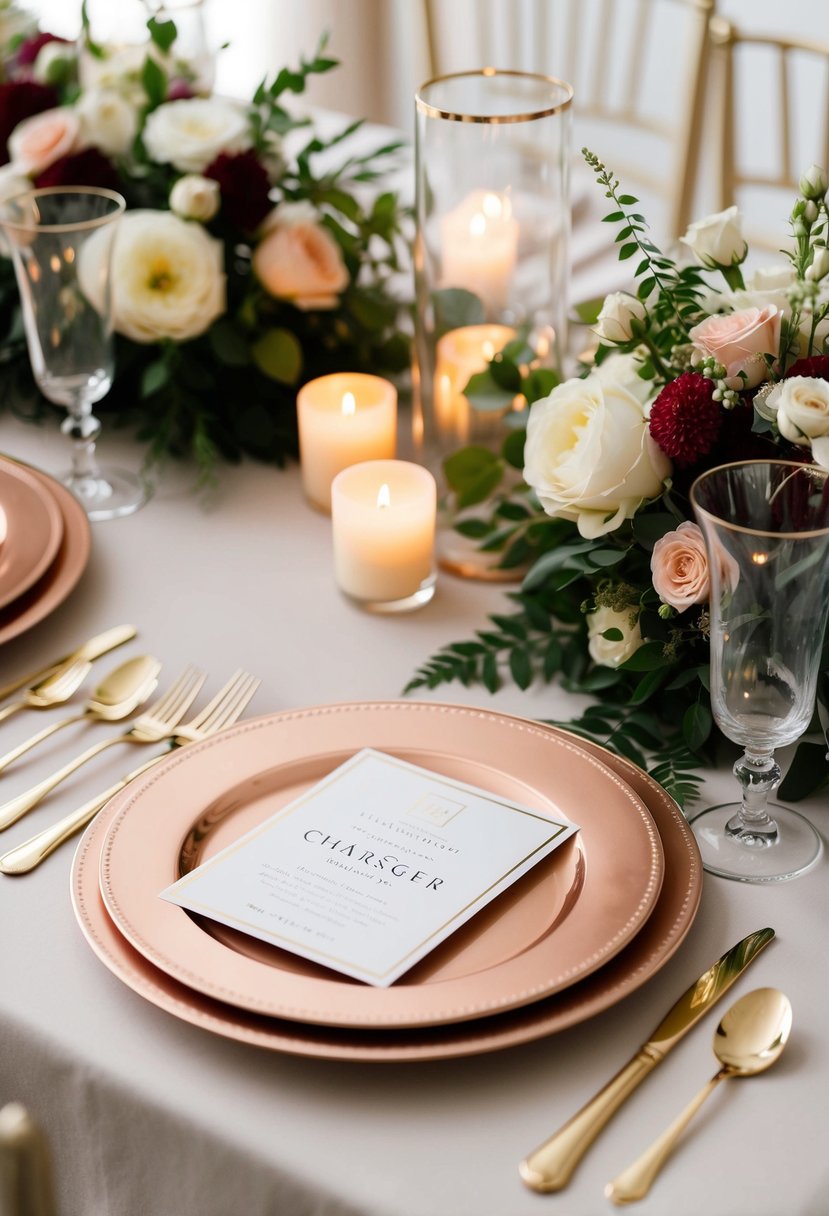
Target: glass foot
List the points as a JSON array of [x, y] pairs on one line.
[[756, 856], [110, 493]]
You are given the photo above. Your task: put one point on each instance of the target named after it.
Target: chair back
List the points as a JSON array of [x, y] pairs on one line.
[[25, 1172], [775, 123], [638, 68]]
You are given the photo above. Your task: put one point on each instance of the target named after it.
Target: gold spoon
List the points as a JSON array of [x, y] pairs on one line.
[[748, 1040], [118, 694]]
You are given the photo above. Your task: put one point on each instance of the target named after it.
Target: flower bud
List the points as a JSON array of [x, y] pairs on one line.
[[621, 318], [810, 212], [195, 198], [55, 63], [820, 264], [813, 184], [717, 240]]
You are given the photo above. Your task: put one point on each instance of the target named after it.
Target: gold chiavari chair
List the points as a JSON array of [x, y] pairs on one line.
[[638, 68], [25, 1172], [774, 122]]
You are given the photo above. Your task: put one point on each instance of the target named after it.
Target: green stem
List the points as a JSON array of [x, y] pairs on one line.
[[733, 277], [655, 358]]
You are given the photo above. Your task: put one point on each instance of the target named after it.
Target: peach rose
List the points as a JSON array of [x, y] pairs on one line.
[[301, 262], [37, 142], [740, 341], [679, 566]]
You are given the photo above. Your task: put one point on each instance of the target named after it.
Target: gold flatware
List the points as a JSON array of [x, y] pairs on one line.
[[228, 705], [93, 649], [52, 690], [153, 726], [551, 1165], [749, 1039], [117, 696]]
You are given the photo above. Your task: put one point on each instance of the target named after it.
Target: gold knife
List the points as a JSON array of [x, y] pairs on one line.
[[101, 644], [551, 1165]]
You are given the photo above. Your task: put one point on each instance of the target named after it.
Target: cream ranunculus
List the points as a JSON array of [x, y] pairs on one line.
[[167, 276], [611, 652], [589, 455], [108, 120], [195, 198], [189, 134], [300, 261], [619, 311], [717, 240], [36, 142]]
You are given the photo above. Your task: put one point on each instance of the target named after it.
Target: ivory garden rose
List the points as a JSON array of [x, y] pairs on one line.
[[191, 133], [589, 455], [613, 651], [717, 240], [167, 276], [800, 406], [108, 120]]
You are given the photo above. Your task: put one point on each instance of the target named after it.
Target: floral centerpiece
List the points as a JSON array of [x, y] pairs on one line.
[[697, 368], [240, 271]]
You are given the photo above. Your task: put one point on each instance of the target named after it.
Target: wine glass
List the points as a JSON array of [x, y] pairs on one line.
[[766, 527], [61, 241]]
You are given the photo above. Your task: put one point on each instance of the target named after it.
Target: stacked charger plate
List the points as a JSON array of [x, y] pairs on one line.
[[44, 546], [582, 930]]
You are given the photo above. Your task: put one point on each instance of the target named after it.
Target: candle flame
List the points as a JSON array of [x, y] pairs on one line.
[[349, 405], [760, 559], [383, 496], [477, 225], [494, 206], [488, 350]]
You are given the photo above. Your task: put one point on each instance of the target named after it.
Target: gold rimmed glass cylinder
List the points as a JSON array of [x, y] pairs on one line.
[[491, 260]]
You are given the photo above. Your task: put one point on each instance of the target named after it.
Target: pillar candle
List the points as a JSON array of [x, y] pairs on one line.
[[383, 516], [343, 419], [479, 245]]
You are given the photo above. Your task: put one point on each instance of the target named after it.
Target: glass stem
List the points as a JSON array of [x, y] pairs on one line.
[[758, 775], [83, 428]]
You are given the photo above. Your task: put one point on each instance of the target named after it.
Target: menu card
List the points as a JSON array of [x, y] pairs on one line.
[[371, 868]]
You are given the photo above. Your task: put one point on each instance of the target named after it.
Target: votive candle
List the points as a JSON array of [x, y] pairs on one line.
[[344, 419], [383, 516], [461, 354]]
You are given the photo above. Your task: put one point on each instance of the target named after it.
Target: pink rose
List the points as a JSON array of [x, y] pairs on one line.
[[301, 262], [679, 565], [740, 341], [39, 141]]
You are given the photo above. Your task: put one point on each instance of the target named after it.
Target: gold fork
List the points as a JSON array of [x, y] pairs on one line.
[[228, 705], [154, 725]]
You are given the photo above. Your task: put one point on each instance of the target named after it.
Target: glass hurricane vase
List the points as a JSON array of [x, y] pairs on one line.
[[766, 527]]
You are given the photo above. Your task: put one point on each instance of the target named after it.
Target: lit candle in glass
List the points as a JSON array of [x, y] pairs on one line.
[[479, 246], [343, 419], [383, 518], [460, 354]]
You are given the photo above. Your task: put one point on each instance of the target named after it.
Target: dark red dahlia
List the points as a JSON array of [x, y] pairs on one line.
[[21, 99], [87, 168], [30, 48], [244, 187], [817, 368], [685, 419]]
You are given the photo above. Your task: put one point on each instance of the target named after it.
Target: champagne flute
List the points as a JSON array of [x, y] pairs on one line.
[[766, 527], [61, 241]]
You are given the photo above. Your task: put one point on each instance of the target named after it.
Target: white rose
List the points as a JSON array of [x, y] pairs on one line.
[[36, 142], [195, 198], [167, 276], [589, 455], [813, 183], [618, 311], [108, 121], [118, 70], [717, 240], [190, 134], [801, 407], [623, 369], [820, 264], [608, 652]]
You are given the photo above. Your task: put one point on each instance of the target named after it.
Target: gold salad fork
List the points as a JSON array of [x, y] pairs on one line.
[[155, 724], [228, 705]]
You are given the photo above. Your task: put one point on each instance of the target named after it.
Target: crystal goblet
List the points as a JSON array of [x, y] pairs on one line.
[[766, 527], [61, 241]]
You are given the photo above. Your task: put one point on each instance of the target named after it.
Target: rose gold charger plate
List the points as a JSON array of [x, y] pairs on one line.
[[658, 939], [63, 573], [580, 907], [33, 530]]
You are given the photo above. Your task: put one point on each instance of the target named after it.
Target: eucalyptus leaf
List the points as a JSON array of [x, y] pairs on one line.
[[455, 307], [278, 355]]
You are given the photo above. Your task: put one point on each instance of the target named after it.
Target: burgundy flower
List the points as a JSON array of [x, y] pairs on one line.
[[244, 187], [30, 48], [685, 419], [817, 368], [21, 99], [180, 90], [87, 168]]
